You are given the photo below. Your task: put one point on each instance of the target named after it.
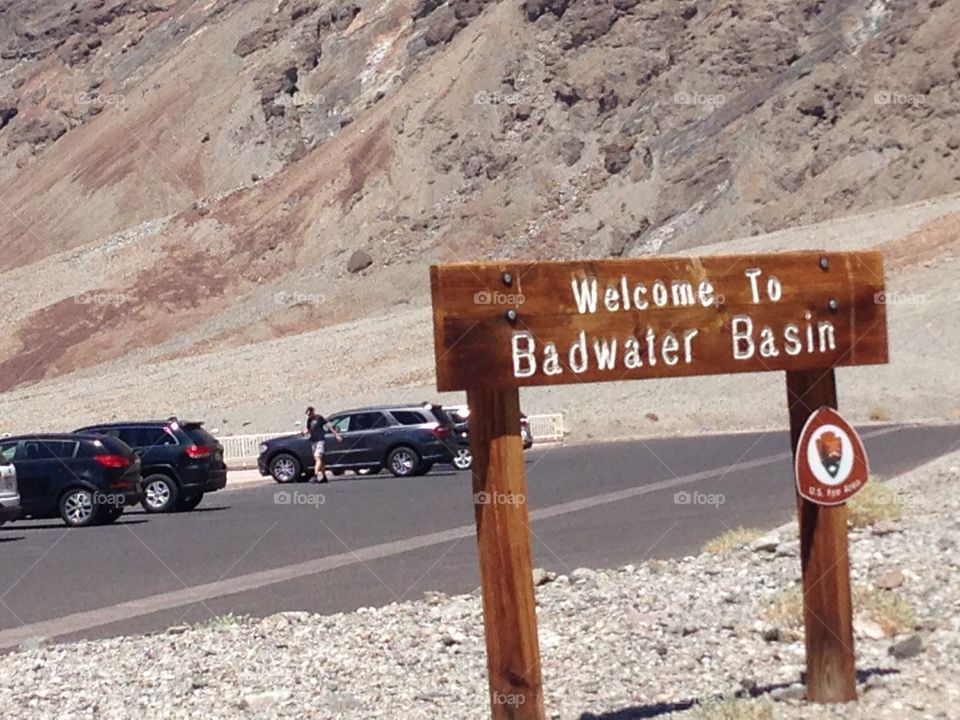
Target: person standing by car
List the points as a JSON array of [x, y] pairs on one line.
[[316, 426]]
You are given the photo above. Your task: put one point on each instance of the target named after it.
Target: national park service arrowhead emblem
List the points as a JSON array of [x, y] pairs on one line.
[[831, 462]]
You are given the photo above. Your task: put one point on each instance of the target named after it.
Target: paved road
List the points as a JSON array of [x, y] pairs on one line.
[[373, 540]]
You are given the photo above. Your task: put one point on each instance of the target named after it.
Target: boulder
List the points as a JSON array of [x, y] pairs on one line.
[[360, 260]]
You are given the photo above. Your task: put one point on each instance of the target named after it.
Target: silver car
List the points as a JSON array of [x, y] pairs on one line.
[[9, 491]]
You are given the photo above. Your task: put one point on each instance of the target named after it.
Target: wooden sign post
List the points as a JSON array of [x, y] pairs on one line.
[[502, 326]]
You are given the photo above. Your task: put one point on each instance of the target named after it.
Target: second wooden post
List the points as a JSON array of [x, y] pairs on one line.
[[827, 604], [506, 560]]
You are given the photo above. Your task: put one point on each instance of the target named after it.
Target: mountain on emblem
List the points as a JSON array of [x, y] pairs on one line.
[[830, 448]]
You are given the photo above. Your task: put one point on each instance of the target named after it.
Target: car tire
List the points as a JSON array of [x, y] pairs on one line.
[[403, 461], [160, 493], [188, 503], [77, 508], [285, 468], [463, 460]]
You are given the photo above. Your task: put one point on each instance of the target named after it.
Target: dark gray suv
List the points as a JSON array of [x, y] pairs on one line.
[[404, 439]]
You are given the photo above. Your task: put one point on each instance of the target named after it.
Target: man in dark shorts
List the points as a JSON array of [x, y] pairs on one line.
[[316, 426]]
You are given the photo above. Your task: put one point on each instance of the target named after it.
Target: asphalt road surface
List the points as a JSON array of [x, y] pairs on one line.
[[361, 541]]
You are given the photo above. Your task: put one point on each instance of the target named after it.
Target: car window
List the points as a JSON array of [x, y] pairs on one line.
[[8, 450], [340, 423], [199, 434], [409, 417], [367, 421], [47, 450], [147, 437]]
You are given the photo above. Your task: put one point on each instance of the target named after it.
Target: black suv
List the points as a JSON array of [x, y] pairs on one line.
[[83, 479], [181, 461], [406, 439]]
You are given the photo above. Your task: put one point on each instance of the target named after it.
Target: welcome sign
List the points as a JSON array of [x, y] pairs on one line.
[[502, 326], [517, 324]]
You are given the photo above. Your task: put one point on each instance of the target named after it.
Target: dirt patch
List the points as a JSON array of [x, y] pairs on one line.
[[937, 239]]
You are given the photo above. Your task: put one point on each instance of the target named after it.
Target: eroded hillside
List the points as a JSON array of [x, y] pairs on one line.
[[178, 177]]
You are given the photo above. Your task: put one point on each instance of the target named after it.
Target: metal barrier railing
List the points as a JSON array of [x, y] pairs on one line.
[[237, 448]]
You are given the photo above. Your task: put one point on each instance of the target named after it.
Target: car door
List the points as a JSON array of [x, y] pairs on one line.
[[42, 471], [356, 448], [334, 452]]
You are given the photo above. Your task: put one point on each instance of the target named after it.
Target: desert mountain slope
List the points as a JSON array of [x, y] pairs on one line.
[[186, 178]]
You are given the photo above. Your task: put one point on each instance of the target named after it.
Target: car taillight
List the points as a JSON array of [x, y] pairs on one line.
[[199, 451], [440, 432], [112, 461]]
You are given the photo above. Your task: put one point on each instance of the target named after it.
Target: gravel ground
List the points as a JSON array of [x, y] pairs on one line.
[[643, 641]]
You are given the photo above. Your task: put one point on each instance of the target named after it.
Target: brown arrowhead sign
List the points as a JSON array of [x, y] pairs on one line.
[[831, 462]]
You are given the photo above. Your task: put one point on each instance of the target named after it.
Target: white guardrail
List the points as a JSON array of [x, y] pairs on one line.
[[237, 448]]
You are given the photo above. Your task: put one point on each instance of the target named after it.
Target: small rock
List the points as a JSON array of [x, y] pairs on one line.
[[652, 417], [906, 648], [177, 629], [890, 580], [360, 260], [262, 701], [770, 633], [884, 527], [796, 691], [542, 577], [869, 629], [767, 543], [583, 575]]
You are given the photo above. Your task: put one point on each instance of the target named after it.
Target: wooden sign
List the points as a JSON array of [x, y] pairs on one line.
[[501, 325], [831, 462]]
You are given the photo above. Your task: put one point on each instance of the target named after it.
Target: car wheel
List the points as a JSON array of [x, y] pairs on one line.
[[403, 461], [285, 468], [186, 504], [463, 460], [77, 508], [159, 494]]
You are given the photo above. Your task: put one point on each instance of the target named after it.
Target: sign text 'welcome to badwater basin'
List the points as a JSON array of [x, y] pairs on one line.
[[516, 324]]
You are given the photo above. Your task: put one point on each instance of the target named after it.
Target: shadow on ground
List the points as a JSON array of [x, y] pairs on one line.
[[639, 712]]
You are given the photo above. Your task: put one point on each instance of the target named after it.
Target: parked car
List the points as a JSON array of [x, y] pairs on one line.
[[463, 460], [181, 461], [9, 493], [405, 439], [83, 479]]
